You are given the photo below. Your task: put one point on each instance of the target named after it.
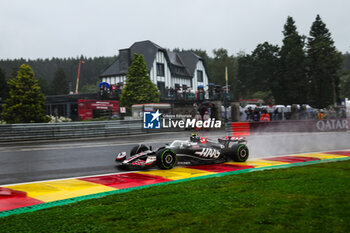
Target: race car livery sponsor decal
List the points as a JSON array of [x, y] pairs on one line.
[[208, 152]]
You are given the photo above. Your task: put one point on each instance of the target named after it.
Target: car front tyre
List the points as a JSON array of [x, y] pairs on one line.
[[166, 159]]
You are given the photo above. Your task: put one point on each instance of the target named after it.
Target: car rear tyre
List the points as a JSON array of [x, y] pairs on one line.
[[137, 149], [166, 158], [240, 153]]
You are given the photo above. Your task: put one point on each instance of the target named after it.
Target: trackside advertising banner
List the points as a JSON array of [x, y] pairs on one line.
[[155, 120], [325, 125], [333, 125]]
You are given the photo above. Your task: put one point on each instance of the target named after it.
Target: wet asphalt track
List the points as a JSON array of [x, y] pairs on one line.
[[25, 162]]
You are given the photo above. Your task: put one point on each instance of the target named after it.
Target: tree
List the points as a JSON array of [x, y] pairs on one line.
[[139, 87], [266, 62], [3, 86], [46, 69], [293, 80], [44, 85], [346, 61], [324, 62], [258, 72], [246, 76], [90, 88], [345, 85], [26, 101], [220, 61], [217, 66], [59, 84]]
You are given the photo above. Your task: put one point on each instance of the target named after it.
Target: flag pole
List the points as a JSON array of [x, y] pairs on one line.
[[226, 78]]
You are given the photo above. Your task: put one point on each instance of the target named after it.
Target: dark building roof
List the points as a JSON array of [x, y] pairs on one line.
[[113, 69], [190, 59], [148, 49], [181, 64], [174, 58]]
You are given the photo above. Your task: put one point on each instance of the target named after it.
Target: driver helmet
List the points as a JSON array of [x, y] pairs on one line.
[[195, 138]]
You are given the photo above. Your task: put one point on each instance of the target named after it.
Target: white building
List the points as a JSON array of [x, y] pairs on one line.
[[167, 69]]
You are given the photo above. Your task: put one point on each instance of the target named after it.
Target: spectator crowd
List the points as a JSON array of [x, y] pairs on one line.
[[294, 112], [213, 92]]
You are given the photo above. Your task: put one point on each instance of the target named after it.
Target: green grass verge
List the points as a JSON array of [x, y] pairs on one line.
[[313, 198]]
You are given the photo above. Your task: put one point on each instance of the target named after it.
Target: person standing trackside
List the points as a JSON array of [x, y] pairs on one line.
[[320, 115], [267, 117], [197, 117], [262, 118], [256, 114], [206, 117]]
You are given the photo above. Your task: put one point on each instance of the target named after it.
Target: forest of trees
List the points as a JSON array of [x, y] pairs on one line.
[[302, 70], [47, 69]]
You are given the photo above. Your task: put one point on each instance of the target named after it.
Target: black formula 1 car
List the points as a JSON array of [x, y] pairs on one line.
[[196, 151]]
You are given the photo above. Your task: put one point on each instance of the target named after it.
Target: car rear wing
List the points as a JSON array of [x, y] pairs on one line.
[[228, 139]]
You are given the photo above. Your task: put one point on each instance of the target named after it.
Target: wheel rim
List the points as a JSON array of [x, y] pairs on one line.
[[168, 159], [243, 153]]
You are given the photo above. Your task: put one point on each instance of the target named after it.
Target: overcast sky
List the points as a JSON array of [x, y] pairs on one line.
[[69, 28]]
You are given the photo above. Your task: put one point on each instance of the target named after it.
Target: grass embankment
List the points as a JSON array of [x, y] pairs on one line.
[[302, 199]]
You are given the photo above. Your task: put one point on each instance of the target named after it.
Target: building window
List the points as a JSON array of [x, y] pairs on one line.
[[160, 69], [199, 76]]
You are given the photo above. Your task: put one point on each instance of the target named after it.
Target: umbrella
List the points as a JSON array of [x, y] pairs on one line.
[[200, 86], [103, 84], [211, 84]]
